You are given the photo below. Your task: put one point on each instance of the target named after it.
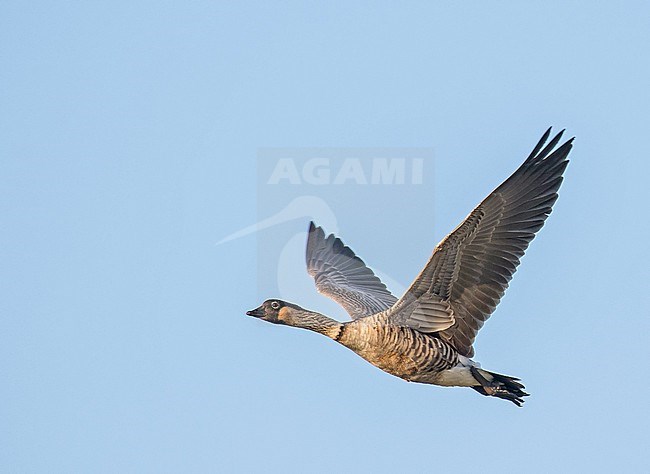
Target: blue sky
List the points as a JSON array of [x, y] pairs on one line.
[[130, 134]]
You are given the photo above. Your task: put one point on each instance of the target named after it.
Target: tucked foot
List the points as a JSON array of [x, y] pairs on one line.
[[500, 386]]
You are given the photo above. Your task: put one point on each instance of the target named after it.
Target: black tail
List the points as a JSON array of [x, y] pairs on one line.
[[501, 386]]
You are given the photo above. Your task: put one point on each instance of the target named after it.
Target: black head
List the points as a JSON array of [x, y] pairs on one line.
[[269, 311]]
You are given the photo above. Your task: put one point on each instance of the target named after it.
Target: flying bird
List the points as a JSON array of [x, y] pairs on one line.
[[426, 336]]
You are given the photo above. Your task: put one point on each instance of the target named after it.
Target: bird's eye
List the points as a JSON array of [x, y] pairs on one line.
[[275, 305]]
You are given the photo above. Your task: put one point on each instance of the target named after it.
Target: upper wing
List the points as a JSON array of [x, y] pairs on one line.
[[341, 275], [471, 267]]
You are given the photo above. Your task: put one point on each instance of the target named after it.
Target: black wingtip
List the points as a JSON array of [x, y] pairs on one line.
[[549, 148], [542, 149], [313, 236], [539, 145]]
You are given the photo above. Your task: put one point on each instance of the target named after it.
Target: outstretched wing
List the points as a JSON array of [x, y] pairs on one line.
[[471, 267], [341, 275]]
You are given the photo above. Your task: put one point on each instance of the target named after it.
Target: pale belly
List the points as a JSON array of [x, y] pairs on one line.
[[409, 355], [405, 368], [459, 376]]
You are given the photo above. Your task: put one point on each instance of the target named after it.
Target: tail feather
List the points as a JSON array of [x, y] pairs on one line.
[[500, 386]]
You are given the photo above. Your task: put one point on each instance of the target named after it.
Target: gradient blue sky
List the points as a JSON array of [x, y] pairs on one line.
[[128, 140]]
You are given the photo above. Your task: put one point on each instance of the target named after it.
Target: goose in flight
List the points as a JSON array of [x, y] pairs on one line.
[[426, 336]]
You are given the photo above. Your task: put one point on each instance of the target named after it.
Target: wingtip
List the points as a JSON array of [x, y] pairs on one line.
[[542, 149], [560, 134], [542, 141], [568, 144]]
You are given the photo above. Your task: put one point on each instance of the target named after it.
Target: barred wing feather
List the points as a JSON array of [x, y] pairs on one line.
[[344, 277], [471, 268]]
